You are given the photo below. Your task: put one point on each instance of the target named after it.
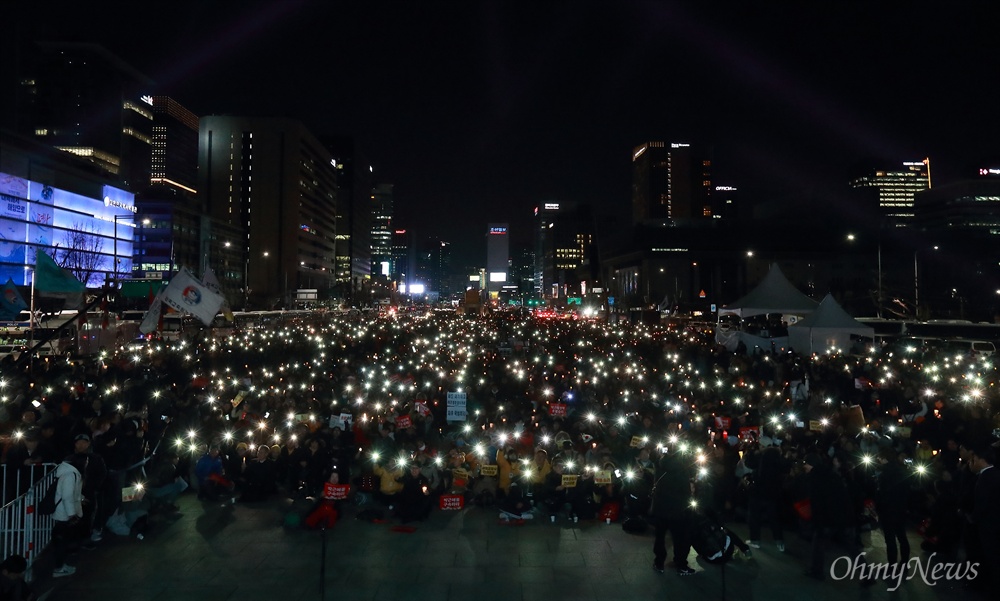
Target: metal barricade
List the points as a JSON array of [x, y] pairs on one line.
[[22, 529]]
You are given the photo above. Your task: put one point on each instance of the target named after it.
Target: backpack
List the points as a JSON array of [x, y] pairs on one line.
[[47, 504]]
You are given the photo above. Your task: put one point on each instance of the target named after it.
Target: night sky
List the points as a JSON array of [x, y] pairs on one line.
[[482, 110]]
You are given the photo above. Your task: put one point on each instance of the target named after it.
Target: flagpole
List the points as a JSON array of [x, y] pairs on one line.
[[31, 322]]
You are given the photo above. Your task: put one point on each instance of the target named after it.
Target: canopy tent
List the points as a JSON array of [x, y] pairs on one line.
[[826, 329], [774, 294]]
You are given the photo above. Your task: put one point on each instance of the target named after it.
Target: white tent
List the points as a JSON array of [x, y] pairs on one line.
[[827, 328], [774, 294]]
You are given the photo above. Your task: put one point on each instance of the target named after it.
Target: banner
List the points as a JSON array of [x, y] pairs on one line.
[[723, 423], [337, 492], [403, 422], [557, 409], [456, 407], [602, 477], [452, 502], [187, 294], [488, 470]]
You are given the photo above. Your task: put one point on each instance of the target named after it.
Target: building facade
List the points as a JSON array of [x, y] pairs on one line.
[[671, 183], [497, 257], [896, 189], [381, 232], [270, 179], [60, 205], [563, 239]]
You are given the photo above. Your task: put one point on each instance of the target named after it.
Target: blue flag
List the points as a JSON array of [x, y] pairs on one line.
[[11, 302]]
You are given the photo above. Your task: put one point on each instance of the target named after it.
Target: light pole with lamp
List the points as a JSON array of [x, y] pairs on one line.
[[878, 292], [916, 287]]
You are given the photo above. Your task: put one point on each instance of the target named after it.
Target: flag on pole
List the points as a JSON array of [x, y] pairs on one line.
[[11, 301], [150, 321], [213, 284], [188, 294], [54, 281]]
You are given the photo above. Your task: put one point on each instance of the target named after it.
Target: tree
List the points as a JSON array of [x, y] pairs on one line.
[[81, 253]]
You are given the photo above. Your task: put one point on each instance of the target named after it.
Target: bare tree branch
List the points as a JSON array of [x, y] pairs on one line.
[[81, 252]]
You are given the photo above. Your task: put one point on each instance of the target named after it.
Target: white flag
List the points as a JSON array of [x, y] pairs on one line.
[[213, 284], [151, 319], [188, 294]]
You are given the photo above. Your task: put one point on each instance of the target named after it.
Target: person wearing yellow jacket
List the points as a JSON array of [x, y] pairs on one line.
[[389, 484], [539, 468], [508, 468]]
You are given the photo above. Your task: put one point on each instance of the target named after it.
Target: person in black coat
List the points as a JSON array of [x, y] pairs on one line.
[[671, 498], [890, 502], [986, 514], [831, 509], [414, 499], [767, 482]]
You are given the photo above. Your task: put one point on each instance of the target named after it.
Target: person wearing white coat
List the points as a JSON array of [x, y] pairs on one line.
[[69, 510]]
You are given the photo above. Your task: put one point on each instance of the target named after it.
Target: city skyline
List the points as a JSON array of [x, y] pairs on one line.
[[483, 112]]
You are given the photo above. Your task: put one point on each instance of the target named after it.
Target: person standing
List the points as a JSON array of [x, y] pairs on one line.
[[831, 506], [890, 503], [671, 498], [69, 510], [986, 514], [764, 492]]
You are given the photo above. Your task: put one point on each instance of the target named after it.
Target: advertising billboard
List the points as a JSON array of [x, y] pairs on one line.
[[75, 230]]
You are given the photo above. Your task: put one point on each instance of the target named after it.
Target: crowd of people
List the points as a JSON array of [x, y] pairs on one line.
[[548, 419]]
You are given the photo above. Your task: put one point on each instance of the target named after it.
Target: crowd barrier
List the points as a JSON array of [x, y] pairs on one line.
[[22, 529]]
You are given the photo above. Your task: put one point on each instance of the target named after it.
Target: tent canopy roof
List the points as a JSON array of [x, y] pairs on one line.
[[774, 294], [831, 316]]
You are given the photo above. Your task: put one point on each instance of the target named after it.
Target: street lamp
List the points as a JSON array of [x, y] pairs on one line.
[[115, 234], [916, 287], [878, 294]]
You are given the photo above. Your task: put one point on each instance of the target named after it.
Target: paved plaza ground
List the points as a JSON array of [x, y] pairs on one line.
[[244, 553]]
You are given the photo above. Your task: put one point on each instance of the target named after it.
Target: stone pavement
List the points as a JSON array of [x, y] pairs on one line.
[[245, 553]]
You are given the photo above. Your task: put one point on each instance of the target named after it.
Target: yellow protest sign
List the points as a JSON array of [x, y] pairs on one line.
[[488, 470], [569, 481], [602, 477], [636, 442]]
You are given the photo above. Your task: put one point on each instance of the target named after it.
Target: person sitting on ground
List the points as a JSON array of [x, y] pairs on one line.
[[415, 497], [165, 485], [212, 481], [389, 484], [12, 584], [260, 477]]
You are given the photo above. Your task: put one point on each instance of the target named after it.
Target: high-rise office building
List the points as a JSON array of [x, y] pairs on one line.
[[381, 232], [896, 189], [671, 183], [82, 99], [497, 256], [402, 259], [174, 157], [563, 239], [433, 267], [272, 178]]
